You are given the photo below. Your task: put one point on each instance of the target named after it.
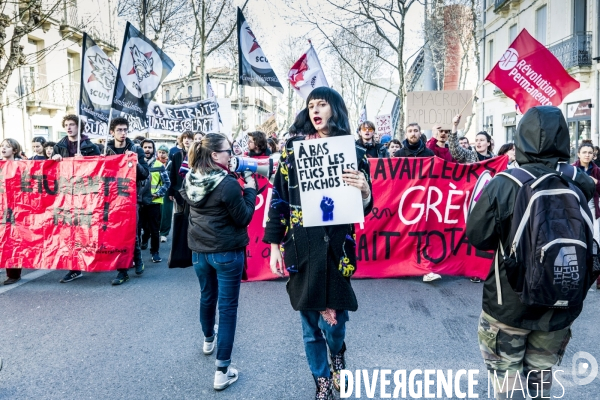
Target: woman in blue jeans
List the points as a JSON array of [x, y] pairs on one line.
[[220, 212]]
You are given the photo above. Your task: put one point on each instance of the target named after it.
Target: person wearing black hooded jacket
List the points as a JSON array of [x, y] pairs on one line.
[[121, 144], [514, 336]]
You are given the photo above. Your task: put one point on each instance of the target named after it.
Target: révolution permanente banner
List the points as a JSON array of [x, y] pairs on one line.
[[417, 224], [72, 214]]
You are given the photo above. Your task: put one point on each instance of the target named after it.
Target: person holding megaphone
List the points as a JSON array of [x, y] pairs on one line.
[[217, 235], [320, 260]]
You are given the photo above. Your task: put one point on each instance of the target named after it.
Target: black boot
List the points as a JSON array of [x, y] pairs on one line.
[[324, 389], [338, 363]]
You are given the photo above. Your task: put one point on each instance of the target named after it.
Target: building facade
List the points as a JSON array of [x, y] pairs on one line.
[[257, 104], [569, 29], [46, 88]]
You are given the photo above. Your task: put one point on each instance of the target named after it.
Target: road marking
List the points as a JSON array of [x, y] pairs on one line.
[[29, 277]]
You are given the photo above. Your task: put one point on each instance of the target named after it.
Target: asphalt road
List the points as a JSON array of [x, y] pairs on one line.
[[89, 340]]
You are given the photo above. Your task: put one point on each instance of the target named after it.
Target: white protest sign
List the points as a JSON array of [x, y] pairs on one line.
[[325, 198], [383, 124], [438, 107]]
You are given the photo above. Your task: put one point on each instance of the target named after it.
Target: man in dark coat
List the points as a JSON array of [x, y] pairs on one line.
[[513, 337], [121, 144], [67, 147], [413, 145]]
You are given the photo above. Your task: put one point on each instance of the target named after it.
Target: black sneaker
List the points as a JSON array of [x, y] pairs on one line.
[[475, 279], [71, 276], [121, 278], [156, 258], [139, 268], [144, 245], [10, 281]]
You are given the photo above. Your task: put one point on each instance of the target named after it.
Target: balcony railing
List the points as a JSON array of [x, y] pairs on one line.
[[574, 51], [262, 104], [63, 92], [499, 4]]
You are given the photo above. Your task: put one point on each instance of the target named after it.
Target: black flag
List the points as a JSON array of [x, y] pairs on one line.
[[255, 69], [98, 76], [142, 68]]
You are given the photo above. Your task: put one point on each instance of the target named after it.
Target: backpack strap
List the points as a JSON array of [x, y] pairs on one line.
[[519, 175], [497, 271], [567, 169]]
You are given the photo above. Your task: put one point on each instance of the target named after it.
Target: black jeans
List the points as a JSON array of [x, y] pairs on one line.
[[137, 252], [150, 216]]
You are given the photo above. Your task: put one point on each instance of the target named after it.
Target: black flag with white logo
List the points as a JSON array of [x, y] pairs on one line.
[[142, 68], [255, 69], [98, 76]]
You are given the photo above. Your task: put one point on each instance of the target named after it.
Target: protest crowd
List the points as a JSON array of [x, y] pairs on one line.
[[192, 193]]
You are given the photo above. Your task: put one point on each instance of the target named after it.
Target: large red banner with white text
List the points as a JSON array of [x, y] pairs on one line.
[[417, 224], [75, 214]]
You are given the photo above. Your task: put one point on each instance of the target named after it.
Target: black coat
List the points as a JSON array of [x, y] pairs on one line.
[[87, 148], [374, 150], [176, 179], [422, 151], [539, 148], [219, 222], [320, 260], [142, 171]]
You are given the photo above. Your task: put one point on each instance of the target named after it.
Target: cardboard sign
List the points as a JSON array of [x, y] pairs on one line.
[[383, 123], [325, 198], [438, 107], [269, 126]]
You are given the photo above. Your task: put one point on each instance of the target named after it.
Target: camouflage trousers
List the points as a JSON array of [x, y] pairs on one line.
[[513, 353]]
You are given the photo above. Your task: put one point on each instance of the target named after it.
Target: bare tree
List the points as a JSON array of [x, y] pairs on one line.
[[16, 22], [384, 19], [352, 82], [164, 21], [289, 52], [214, 24]]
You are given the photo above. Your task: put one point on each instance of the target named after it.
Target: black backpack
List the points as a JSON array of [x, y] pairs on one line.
[[551, 259]]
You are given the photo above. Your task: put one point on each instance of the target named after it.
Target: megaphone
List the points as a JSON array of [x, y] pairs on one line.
[[266, 167]]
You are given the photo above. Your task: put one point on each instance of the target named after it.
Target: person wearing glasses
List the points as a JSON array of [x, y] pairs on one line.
[[217, 235], [366, 131], [438, 144], [121, 144]]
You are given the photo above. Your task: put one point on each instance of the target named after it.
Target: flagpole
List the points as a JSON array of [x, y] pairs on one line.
[[78, 132], [319, 61], [472, 98], [107, 130]]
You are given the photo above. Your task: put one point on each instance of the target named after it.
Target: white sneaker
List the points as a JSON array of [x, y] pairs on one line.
[[209, 347], [163, 239], [430, 277], [222, 380]]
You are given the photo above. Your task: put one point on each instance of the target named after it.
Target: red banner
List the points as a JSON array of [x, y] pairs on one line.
[[417, 224], [531, 75], [78, 213]]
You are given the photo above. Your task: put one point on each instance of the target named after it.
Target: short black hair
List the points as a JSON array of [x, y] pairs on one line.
[[337, 124], [39, 139], [49, 144], [118, 121]]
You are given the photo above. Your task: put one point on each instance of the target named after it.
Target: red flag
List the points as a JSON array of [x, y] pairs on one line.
[[531, 75], [306, 74]]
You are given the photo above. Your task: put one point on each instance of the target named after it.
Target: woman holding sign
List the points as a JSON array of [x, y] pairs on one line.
[[320, 259]]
